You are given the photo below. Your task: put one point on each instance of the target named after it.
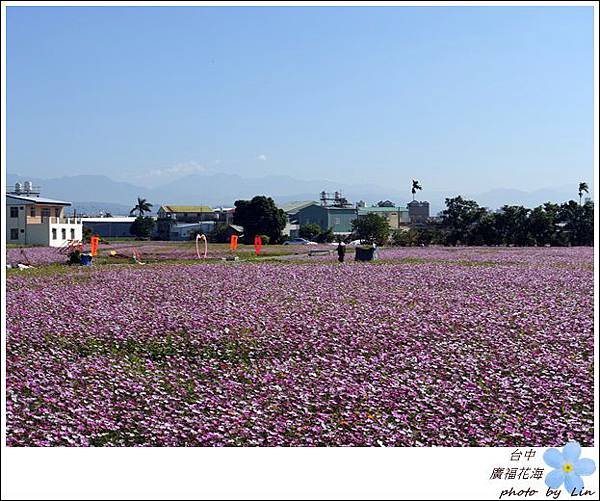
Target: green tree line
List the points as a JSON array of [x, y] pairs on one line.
[[464, 222]]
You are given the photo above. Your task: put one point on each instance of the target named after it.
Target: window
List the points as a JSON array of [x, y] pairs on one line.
[[57, 212], [72, 234], [32, 211], [14, 212], [337, 220], [63, 233], [46, 212], [14, 233], [53, 233]]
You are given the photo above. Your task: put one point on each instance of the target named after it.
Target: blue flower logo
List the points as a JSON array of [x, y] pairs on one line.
[[568, 468]]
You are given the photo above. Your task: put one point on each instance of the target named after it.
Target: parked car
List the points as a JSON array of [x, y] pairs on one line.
[[299, 241], [355, 243]]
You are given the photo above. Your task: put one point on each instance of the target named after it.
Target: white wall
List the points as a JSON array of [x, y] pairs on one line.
[[76, 234]]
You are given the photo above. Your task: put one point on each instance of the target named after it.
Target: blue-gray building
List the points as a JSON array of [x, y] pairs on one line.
[[339, 219], [109, 226]]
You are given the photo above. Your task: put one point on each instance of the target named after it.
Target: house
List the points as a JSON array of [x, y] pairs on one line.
[[108, 226], [395, 216], [171, 216], [34, 220]]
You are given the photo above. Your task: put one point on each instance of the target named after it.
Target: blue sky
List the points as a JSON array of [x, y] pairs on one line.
[[460, 98]]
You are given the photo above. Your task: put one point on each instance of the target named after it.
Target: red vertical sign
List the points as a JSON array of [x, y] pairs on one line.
[[257, 244]]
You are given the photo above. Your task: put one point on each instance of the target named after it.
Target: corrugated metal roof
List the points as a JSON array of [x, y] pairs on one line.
[[38, 200], [296, 206], [185, 208]]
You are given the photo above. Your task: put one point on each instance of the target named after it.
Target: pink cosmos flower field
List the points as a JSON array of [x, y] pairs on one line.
[[425, 347]]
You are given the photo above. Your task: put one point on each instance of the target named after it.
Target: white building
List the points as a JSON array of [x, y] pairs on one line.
[[184, 231], [33, 220]]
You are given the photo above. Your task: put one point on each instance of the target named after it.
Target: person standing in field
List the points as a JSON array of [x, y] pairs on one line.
[[341, 250]]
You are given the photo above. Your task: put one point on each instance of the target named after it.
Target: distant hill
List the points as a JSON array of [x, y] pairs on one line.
[[92, 194]]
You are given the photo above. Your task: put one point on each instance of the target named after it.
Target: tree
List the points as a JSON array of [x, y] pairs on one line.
[[371, 228], [403, 238], [583, 188], [513, 224], [142, 227], [387, 203], [325, 237], [309, 231], [141, 207], [578, 222], [460, 219], [542, 225], [484, 230], [219, 234], [260, 216], [415, 186]]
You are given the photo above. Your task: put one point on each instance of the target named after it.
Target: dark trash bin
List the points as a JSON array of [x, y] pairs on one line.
[[365, 254], [86, 259]]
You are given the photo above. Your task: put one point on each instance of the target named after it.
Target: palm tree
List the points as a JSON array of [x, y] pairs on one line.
[[583, 188], [415, 186], [141, 207]]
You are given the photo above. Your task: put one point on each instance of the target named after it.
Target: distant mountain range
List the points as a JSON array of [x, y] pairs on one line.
[[93, 193]]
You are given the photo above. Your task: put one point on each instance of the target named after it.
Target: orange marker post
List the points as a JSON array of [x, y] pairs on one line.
[[94, 241], [233, 242]]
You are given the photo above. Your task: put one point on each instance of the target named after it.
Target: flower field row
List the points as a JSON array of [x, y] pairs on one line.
[[269, 354], [151, 251]]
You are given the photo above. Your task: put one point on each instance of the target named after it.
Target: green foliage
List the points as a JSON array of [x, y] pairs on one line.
[[459, 220], [86, 235], [371, 228], [583, 188], [219, 235], [464, 222], [325, 237], [309, 231], [141, 207], [577, 222], [415, 186], [402, 238], [260, 216], [314, 233], [142, 227], [416, 237], [266, 239], [386, 203]]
